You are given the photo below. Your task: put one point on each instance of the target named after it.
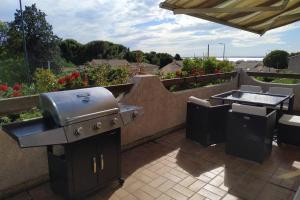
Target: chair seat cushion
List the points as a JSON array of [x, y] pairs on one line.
[[291, 120], [281, 91], [198, 101], [252, 110]]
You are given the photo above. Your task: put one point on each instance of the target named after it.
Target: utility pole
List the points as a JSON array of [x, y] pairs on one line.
[[223, 49], [208, 51], [24, 43]]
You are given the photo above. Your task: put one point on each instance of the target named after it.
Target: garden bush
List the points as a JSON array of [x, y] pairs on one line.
[[277, 59], [195, 66], [45, 80]]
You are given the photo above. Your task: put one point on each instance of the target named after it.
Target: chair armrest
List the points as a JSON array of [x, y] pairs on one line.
[[271, 114], [222, 106], [291, 102]]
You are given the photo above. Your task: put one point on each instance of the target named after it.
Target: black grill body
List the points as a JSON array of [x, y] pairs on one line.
[[85, 165]]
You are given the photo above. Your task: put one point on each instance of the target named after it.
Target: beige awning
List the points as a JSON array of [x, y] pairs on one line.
[[257, 16]]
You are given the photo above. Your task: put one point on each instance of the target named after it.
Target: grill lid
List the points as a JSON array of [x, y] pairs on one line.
[[67, 107]]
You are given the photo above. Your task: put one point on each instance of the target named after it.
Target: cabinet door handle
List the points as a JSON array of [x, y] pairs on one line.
[[94, 165], [102, 161]]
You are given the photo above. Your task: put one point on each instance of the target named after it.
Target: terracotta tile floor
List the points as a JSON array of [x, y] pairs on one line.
[[175, 168]]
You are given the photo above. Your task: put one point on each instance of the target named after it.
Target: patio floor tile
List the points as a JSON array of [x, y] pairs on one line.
[[173, 167]]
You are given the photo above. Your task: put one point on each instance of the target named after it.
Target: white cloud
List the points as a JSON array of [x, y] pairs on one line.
[[141, 24]]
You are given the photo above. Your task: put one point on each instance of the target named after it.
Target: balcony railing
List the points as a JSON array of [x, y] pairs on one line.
[[20, 104], [274, 75]]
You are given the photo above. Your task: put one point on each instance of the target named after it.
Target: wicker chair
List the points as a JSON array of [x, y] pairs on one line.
[[249, 132], [205, 123], [250, 88], [287, 104]]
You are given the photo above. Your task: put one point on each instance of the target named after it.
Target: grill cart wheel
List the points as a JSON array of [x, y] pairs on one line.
[[121, 181]]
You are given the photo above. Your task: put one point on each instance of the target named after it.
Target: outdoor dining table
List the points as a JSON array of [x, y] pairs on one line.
[[252, 98]]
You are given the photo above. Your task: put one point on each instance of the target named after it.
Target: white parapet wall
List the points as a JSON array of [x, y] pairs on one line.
[[164, 111], [247, 80], [294, 63]]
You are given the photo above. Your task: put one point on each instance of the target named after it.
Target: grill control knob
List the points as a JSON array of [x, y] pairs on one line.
[[78, 131], [115, 121], [98, 125]]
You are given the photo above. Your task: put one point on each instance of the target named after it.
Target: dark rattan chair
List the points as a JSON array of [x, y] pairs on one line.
[[249, 132], [205, 123], [289, 129], [289, 103]]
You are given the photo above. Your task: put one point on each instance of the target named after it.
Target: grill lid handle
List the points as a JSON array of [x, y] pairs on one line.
[[85, 96]]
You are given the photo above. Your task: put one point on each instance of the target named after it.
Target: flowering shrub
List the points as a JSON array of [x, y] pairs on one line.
[[196, 67], [5, 91], [104, 75], [71, 81], [45, 81], [15, 91]]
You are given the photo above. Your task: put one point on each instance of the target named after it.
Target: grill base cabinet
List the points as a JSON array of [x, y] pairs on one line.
[[86, 165]]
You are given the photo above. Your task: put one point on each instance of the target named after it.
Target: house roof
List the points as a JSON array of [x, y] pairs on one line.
[[111, 62], [146, 68], [174, 66], [257, 16]]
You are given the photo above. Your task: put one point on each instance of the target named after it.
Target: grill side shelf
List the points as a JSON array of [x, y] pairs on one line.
[[34, 133]]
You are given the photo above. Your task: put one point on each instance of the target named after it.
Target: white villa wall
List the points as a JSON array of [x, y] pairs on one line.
[[294, 64]]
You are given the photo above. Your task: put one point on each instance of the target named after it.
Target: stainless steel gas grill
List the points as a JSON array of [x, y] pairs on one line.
[[81, 129]]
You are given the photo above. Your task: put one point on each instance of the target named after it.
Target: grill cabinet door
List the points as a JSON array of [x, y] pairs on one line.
[[84, 157], [109, 148]]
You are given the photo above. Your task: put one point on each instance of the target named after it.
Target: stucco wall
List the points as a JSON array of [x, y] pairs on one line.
[[294, 64], [163, 110], [247, 80]]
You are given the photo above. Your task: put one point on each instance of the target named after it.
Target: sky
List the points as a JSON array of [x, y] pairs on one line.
[[142, 25]]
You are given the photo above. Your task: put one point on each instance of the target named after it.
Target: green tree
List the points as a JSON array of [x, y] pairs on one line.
[[72, 51], [152, 58], [12, 70], [42, 43], [135, 56], [277, 59], [3, 36], [103, 50], [165, 59], [177, 57]]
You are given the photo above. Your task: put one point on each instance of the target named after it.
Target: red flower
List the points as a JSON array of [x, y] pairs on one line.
[[75, 75], [68, 78], [61, 81], [17, 87], [16, 94], [3, 87]]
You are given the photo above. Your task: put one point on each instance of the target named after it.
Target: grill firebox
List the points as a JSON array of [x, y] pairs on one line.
[[82, 131]]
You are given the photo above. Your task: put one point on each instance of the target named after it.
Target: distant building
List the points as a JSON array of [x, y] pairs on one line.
[[112, 62], [174, 66], [144, 68], [294, 63], [253, 66], [135, 68]]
